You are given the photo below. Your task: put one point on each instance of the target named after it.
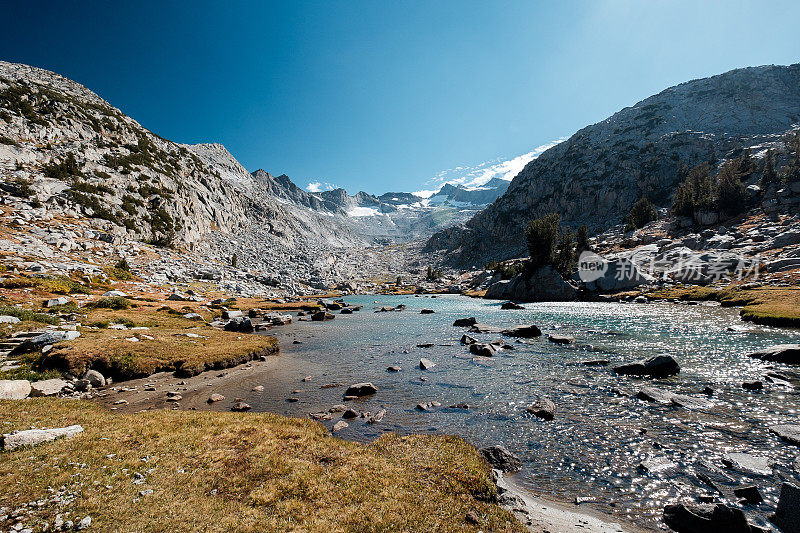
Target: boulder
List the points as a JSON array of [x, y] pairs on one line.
[[787, 515], [749, 493], [511, 305], [788, 354], [545, 284], [321, 316], [241, 324], [53, 302], [753, 385], [6, 319], [350, 413], [542, 408], [240, 406], [466, 339], [95, 378], [787, 432], [465, 322], [45, 339], [340, 425], [32, 437], [426, 311], [14, 389], [47, 387], [114, 294], [426, 364], [482, 328], [527, 332], [361, 389], [618, 273], [428, 406], [561, 339], [394, 369], [652, 394], [659, 366], [482, 349], [232, 313], [705, 518], [500, 458], [215, 398], [751, 464]]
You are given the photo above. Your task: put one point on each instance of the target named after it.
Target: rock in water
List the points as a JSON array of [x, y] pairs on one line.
[[526, 332], [748, 463], [426, 312], [340, 425], [240, 406], [705, 518], [542, 408], [749, 493], [481, 349], [561, 339], [658, 367], [361, 389], [426, 364], [788, 354], [787, 432], [32, 437], [215, 398], [787, 515], [510, 305], [466, 339], [14, 389], [321, 316], [652, 394], [500, 458], [465, 322]]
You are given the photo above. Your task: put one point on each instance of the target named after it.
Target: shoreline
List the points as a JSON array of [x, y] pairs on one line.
[[538, 512]]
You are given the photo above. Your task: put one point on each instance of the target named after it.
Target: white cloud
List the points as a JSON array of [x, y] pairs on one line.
[[317, 186], [474, 177]]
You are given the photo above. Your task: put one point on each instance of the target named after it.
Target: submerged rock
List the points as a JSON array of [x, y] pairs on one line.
[[749, 463], [659, 366], [561, 339], [500, 458]]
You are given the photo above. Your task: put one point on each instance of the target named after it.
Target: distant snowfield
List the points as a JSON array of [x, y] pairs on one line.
[[363, 212]]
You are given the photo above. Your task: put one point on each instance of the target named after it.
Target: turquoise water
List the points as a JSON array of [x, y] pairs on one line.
[[600, 434]]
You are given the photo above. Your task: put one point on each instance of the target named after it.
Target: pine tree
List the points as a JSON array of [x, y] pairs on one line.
[[731, 194], [582, 240], [768, 174], [541, 236], [641, 213], [565, 256]]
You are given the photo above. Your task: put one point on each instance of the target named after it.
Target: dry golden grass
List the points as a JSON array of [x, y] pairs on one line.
[[177, 344], [774, 306], [242, 472]]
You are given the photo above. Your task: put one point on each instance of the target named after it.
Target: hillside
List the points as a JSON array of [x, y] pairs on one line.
[[597, 175]]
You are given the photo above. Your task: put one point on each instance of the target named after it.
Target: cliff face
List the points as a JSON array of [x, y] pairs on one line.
[[75, 150], [597, 175]]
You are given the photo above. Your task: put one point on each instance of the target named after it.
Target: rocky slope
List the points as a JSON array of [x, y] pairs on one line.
[[597, 175]]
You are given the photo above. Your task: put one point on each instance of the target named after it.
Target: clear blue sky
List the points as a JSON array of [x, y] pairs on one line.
[[382, 95]]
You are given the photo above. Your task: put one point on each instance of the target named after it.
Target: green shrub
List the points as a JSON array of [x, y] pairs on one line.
[[117, 303], [29, 315], [64, 170]]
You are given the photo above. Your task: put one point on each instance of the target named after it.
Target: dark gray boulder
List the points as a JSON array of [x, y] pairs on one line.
[[527, 332], [658, 367], [321, 316], [500, 458], [705, 518], [788, 354], [542, 408], [465, 322], [545, 284], [482, 349], [361, 389], [561, 339], [787, 515]]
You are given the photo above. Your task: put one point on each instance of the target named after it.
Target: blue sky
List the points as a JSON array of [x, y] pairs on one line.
[[378, 95]]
